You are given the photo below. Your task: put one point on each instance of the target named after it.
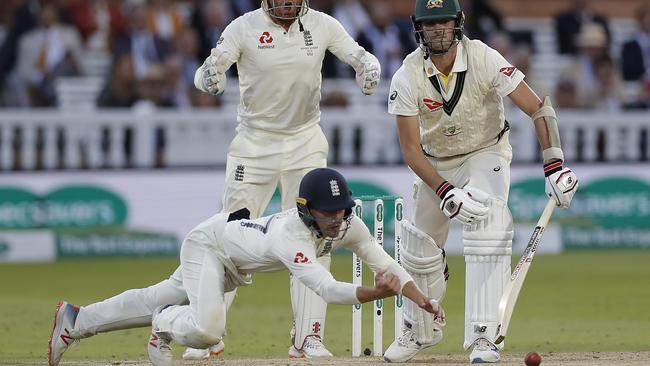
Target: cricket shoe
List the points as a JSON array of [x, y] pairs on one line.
[[484, 352], [406, 346], [313, 347], [202, 354], [65, 316], [158, 347]]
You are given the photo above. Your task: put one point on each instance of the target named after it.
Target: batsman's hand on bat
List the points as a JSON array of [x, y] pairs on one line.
[[466, 205], [561, 183]]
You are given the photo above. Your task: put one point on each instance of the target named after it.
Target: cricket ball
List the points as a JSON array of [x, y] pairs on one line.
[[533, 359]]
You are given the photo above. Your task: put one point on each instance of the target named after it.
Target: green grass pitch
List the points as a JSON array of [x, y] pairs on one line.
[[577, 301]]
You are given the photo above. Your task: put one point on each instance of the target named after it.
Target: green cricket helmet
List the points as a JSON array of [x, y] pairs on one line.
[[438, 11]]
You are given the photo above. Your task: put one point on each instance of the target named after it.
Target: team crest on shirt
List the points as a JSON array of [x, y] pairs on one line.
[[309, 43], [431, 4], [453, 130], [432, 104]]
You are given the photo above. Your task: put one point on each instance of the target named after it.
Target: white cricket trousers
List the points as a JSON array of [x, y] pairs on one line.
[[202, 323]]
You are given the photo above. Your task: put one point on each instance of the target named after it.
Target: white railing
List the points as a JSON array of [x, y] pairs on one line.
[[62, 139]]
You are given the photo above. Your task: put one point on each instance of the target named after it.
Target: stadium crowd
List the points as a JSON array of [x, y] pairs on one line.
[[155, 46]]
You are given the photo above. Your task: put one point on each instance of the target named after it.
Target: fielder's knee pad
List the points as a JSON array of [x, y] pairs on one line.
[[426, 263], [487, 250], [309, 309]]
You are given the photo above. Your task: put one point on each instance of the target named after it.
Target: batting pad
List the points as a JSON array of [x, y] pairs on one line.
[[425, 262], [309, 309], [488, 248]]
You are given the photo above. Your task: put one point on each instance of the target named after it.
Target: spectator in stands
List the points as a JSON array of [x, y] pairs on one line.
[[635, 57], [566, 94], [353, 16], [145, 48], [592, 42], [97, 21], [186, 45], [239, 7], [45, 53], [384, 39], [120, 88], [210, 18], [568, 25], [608, 94], [164, 19], [481, 19]]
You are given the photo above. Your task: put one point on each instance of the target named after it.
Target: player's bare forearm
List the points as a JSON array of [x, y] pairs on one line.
[[408, 130], [411, 291], [526, 99], [385, 286]]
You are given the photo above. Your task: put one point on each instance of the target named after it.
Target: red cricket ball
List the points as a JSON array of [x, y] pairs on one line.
[[533, 359]]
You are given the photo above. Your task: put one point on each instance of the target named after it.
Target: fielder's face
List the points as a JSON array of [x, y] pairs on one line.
[[329, 222], [285, 9], [439, 35]]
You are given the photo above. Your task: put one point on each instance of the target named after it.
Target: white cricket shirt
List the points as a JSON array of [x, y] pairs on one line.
[[280, 71]]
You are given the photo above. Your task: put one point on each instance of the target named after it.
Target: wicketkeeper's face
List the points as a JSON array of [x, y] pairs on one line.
[[286, 9]]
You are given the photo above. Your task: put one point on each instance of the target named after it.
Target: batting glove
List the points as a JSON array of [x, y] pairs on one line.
[[465, 205], [561, 183]]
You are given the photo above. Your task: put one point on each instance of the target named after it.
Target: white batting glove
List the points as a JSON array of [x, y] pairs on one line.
[[465, 205], [368, 71], [213, 73], [561, 183]]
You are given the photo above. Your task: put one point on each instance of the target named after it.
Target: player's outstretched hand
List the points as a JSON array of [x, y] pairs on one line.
[[368, 71], [466, 205], [432, 306], [386, 285], [214, 72], [561, 183]]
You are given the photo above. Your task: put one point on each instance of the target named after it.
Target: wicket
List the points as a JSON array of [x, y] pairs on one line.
[[357, 273]]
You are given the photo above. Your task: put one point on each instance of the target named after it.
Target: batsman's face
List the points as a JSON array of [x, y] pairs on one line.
[[329, 222], [439, 34]]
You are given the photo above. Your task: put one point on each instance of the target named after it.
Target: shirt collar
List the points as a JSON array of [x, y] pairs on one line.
[[460, 62]]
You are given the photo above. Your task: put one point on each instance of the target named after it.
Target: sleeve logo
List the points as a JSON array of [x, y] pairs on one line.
[[300, 258], [507, 71]]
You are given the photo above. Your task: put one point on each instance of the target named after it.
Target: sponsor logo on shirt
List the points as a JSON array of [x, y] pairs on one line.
[[432, 104], [266, 39], [508, 71], [300, 258], [220, 41], [393, 96]]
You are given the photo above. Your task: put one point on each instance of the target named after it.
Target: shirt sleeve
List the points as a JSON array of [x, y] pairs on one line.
[[503, 76], [361, 242], [341, 44], [401, 99], [230, 40], [300, 260]]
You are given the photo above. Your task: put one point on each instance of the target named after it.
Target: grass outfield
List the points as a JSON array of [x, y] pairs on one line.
[[574, 302]]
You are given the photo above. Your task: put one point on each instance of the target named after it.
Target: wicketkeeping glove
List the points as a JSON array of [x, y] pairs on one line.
[[465, 205], [368, 71], [213, 73], [561, 183]]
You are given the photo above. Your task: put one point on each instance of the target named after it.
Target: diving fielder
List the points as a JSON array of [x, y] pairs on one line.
[[447, 98], [279, 51], [224, 251]]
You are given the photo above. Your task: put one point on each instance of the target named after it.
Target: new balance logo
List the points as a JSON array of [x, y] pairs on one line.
[[334, 186], [66, 337], [239, 173]]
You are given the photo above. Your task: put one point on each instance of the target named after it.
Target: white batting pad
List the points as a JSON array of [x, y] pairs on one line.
[[309, 309], [487, 250], [425, 262]]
